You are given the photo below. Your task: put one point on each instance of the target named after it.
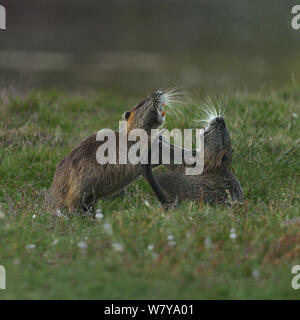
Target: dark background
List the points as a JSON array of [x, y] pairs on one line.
[[132, 46]]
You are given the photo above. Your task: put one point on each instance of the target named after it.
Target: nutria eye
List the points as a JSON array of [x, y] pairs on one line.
[[127, 115]]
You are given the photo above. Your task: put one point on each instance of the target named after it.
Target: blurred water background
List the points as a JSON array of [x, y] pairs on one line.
[[133, 46]]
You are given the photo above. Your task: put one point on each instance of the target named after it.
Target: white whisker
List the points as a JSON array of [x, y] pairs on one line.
[[172, 97], [211, 109]]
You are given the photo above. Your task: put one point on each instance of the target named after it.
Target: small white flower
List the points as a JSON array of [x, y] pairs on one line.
[[150, 247], [146, 203], [82, 245], [232, 236], [171, 240], [58, 212], [99, 216], [255, 274], [30, 246], [191, 218], [34, 216], [2, 215], [99, 210], [294, 115], [55, 242], [118, 247]]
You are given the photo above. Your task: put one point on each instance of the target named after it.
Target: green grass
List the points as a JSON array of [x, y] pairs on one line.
[[37, 129]]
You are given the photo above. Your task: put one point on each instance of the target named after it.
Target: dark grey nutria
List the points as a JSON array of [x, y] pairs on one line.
[[80, 180], [215, 184]]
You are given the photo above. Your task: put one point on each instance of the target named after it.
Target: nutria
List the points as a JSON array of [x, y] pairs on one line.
[[216, 182], [80, 180]]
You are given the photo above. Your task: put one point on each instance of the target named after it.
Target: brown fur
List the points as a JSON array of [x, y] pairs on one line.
[[217, 182], [80, 180]]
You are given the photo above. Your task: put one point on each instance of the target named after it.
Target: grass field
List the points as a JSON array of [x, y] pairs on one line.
[[136, 250]]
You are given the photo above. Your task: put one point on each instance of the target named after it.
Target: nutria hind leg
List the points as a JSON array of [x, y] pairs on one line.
[[78, 208], [74, 205], [82, 206]]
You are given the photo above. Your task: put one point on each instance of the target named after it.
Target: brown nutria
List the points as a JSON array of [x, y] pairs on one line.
[[215, 184], [80, 180]]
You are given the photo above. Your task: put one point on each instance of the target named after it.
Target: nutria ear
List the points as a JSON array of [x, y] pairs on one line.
[[127, 115]]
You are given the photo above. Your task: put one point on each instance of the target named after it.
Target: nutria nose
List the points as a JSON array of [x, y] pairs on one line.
[[220, 122]]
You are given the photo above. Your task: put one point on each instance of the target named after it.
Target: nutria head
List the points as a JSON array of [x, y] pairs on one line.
[[217, 145], [147, 114]]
